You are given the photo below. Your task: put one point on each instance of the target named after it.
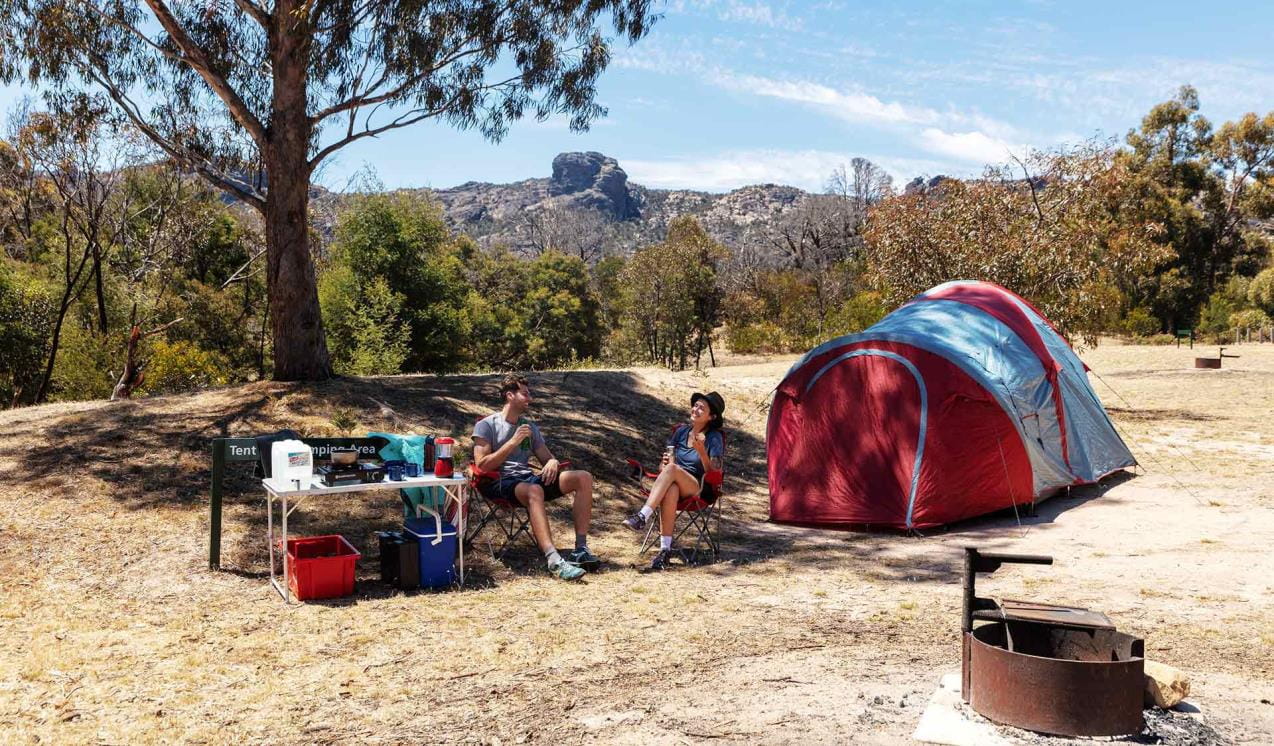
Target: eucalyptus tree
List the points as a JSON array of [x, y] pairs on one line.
[[233, 88]]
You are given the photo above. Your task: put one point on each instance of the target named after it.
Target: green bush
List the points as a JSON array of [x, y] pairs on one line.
[[1235, 290], [533, 314], [1215, 315], [1138, 322], [854, 315], [87, 364], [362, 319], [1154, 339], [172, 367], [403, 239], [1260, 292], [759, 337], [1251, 317], [26, 314]]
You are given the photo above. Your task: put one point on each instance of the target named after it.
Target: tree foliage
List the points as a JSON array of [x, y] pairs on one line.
[[1058, 231], [1260, 291], [672, 299], [254, 96], [539, 313], [401, 241], [1203, 187]]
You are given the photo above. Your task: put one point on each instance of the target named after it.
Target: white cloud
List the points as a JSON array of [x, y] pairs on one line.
[[971, 147], [759, 13], [659, 59], [853, 106]]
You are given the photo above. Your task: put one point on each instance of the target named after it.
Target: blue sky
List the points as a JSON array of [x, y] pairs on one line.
[[725, 93]]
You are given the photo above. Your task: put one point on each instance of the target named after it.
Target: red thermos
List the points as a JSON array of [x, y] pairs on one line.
[[445, 466]]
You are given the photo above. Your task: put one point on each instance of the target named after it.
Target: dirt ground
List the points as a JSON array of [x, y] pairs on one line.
[[113, 630]]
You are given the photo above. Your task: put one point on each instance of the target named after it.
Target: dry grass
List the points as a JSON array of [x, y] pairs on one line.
[[112, 630]]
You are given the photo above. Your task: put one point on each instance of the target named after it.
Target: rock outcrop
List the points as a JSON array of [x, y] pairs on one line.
[[595, 184]]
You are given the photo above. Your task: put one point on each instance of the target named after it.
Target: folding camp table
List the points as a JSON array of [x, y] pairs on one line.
[[282, 490]]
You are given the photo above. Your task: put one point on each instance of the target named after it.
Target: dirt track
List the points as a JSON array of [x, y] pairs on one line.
[[113, 631]]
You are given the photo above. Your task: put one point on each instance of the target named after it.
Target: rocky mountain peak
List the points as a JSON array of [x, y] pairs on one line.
[[593, 181], [592, 193]]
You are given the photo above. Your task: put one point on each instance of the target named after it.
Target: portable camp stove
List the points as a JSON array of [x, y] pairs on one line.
[[336, 475], [1054, 669]]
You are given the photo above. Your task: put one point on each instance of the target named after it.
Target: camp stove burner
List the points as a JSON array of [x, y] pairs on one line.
[[336, 475], [1053, 669]]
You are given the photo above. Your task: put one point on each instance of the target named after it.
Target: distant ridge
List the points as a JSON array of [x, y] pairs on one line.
[[592, 192]]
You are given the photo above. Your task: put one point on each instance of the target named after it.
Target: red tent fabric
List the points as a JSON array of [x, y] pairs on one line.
[[963, 401], [812, 436]]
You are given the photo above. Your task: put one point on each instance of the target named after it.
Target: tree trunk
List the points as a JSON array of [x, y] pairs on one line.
[[101, 291], [132, 376], [300, 348], [43, 391]]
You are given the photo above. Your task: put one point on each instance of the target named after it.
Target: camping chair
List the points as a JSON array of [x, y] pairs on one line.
[[696, 516], [510, 516]]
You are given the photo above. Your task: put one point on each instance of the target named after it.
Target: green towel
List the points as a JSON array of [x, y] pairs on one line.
[[411, 448]]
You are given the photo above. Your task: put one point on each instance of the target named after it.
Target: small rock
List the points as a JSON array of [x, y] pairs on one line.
[[1165, 685]]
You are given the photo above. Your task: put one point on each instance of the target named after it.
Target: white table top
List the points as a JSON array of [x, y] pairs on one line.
[[316, 486]]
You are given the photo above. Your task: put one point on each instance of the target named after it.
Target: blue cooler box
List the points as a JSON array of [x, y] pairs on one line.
[[438, 545]]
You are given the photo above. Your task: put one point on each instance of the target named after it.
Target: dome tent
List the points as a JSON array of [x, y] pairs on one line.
[[963, 401]]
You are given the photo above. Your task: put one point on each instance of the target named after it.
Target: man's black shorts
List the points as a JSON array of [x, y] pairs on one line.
[[503, 489]]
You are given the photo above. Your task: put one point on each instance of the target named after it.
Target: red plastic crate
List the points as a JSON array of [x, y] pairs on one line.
[[321, 567]]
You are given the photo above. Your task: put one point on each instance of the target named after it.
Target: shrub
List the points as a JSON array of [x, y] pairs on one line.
[[87, 363], [172, 367], [25, 316], [1139, 323], [1261, 292], [762, 336], [1215, 316], [855, 314], [1251, 317]]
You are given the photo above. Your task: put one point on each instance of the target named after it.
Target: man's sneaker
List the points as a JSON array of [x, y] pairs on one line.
[[567, 570], [662, 561], [635, 522], [584, 559]]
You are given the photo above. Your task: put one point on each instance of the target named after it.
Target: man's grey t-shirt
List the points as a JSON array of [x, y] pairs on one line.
[[496, 431]]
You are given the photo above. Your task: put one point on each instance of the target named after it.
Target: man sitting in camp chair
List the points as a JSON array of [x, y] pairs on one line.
[[504, 441]]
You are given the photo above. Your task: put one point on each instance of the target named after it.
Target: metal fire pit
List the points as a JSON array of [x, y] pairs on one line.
[[1213, 363], [1053, 669]]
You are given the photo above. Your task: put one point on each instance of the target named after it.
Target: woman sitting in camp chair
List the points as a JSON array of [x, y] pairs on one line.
[[692, 451]]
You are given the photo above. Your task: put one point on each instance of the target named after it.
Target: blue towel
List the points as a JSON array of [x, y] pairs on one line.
[[411, 448]]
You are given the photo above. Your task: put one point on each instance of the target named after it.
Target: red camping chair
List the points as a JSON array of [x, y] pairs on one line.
[[509, 516], [695, 515]]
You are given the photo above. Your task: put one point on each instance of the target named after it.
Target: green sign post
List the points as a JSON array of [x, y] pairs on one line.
[[231, 450]]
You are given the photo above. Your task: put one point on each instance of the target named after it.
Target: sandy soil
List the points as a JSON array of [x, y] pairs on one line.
[[112, 630]]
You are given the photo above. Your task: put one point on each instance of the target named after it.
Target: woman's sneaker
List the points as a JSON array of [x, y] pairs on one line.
[[567, 570], [663, 560], [635, 522]]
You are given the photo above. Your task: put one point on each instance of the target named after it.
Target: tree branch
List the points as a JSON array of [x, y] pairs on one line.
[[255, 12], [404, 120], [365, 99], [198, 61], [235, 276], [180, 154], [1039, 212]]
